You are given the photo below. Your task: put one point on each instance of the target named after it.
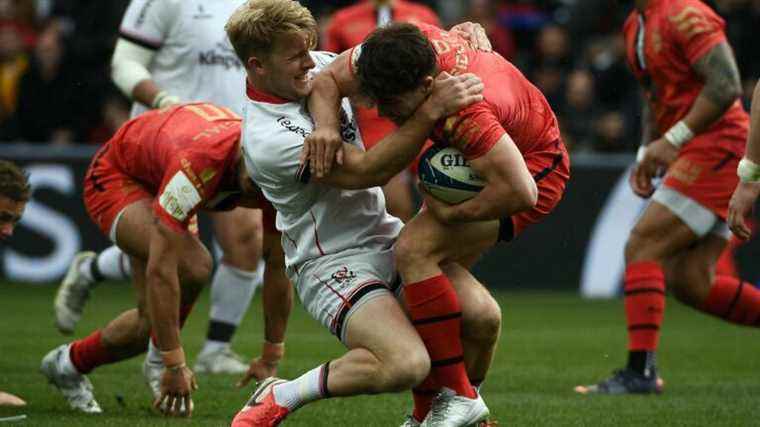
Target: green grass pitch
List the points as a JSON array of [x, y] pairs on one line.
[[550, 343]]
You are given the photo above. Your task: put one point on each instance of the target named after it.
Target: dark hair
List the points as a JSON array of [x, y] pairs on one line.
[[394, 59], [14, 183]]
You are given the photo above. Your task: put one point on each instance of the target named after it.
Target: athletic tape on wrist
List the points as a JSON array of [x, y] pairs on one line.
[[748, 171], [272, 352], [679, 134], [173, 358], [640, 153]]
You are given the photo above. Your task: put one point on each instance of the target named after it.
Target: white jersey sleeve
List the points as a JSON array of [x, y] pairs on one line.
[[148, 22]]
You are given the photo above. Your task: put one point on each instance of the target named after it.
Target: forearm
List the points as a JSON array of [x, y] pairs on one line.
[[145, 92], [753, 143], [647, 126], [324, 101], [163, 307], [493, 202], [277, 301]]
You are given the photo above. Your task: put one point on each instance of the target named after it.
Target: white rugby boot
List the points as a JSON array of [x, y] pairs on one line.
[[75, 387], [222, 361], [72, 295], [452, 410], [410, 421]]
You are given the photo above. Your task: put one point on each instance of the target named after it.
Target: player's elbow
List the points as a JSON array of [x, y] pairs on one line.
[[524, 195]]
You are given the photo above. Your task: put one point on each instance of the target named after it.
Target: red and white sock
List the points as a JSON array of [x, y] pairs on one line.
[[437, 316], [733, 300]]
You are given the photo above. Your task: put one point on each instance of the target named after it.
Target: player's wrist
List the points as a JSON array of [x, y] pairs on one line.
[[748, 171], [164, 99], [679, 134], [174, 360], [272, 353], [640, 153], [430, 110]]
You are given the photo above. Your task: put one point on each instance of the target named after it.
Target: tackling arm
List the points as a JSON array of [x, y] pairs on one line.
[[510, 187]]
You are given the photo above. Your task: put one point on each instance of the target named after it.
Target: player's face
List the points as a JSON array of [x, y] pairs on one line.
[[10, 215], [288, 67], [400, 108]]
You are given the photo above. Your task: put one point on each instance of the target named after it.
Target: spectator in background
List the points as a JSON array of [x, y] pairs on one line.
[[551, 63], [13, 63], [484, 13], [578, 110], [116, 110], [47, 109], [348, 28]]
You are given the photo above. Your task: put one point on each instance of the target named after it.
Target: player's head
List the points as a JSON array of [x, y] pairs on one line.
[[273, 39], [14, 193], [396, 68]]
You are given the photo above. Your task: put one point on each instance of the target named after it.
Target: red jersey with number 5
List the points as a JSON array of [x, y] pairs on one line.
[[662, 44], [185, 155]]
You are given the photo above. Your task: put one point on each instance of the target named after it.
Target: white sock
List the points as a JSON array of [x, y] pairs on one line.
[[114, 264], [232, 290], [154, 354], [302, 390]]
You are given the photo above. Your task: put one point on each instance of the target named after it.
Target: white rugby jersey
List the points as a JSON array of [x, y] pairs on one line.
[[315, 219], [194, 59]]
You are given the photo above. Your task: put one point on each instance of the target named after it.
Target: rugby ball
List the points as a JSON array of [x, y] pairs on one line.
[[447, 176]]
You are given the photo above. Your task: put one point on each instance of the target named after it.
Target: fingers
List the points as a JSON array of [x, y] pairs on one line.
[[158, 402], [305, 151], [188, 401], [339, 156], [328, 158], [245, 380]]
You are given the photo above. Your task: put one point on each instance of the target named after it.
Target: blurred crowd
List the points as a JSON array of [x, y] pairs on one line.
[[55, 82]]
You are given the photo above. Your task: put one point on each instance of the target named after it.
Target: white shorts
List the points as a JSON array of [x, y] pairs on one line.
[[697, 217], [333, 287]]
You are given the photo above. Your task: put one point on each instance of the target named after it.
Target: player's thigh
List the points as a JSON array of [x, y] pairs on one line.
[[133, 227], [382, 327], [658, 234], [239, 233], [425, 237]]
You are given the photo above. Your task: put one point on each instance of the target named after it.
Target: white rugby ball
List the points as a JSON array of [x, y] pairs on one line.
[[447, 176]]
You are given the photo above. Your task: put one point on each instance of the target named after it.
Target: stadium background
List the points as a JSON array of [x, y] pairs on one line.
[[57, 104]]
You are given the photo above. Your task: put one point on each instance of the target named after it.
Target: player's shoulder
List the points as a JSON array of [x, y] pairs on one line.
[[322, 58], [678, 12]]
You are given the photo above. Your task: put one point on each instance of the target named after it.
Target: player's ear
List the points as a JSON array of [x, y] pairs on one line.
[[427, 84], [255, 64]]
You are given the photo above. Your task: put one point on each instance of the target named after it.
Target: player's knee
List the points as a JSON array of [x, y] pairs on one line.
[[484, 325], [197, 271], [639, 247], [405, 369]]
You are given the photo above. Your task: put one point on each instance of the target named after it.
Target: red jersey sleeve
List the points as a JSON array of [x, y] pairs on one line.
[[473, 131], [187, 185], [695, 28]]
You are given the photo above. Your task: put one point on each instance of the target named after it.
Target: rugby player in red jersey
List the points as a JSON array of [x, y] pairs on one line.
[[511, 139], [695, 128], [143, 189]]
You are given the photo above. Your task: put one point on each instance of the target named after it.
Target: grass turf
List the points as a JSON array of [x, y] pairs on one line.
[[550, 343]]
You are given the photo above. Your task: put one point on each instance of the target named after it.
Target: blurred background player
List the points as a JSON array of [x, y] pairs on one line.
[[143, 190], [347, 28], [170, 51], [698, 128], [14, 194], [511, 139], [745, 196]]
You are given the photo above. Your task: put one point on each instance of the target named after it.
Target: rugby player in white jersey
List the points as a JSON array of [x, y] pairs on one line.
[[336, 234], [171, 51]]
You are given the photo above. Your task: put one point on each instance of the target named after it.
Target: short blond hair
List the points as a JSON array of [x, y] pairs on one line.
[[254, 26]]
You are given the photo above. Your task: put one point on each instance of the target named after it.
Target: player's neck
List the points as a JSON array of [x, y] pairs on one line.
[[641, 5]]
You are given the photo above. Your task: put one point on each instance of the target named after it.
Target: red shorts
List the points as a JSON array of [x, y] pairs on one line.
[[705, 171], [551, 171], [107, 191]]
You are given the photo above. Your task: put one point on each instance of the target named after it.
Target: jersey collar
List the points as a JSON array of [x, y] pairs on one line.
[[259, 96]]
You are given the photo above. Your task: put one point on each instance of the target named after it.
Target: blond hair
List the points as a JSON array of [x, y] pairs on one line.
[[254, 26]]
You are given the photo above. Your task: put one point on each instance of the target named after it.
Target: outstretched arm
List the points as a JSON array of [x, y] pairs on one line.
[[746, 193]]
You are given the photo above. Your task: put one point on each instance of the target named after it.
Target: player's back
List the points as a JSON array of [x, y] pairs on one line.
[[516, 103], [148, 145]]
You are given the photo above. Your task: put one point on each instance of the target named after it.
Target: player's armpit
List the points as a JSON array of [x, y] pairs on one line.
[[510, 187], [720, 73]]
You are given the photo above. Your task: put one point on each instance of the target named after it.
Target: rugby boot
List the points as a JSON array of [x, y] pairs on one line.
[[72, 295], [625, 381], [452, 410], [261, 410], [75, 387]]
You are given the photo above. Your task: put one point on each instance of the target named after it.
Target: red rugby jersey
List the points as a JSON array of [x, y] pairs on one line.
[[678, 33], [185, 155]]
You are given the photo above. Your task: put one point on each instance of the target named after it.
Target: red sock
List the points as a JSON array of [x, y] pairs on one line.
[[89, 353], [437, 316], [423, 396], [644, 304], [733, 300]]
